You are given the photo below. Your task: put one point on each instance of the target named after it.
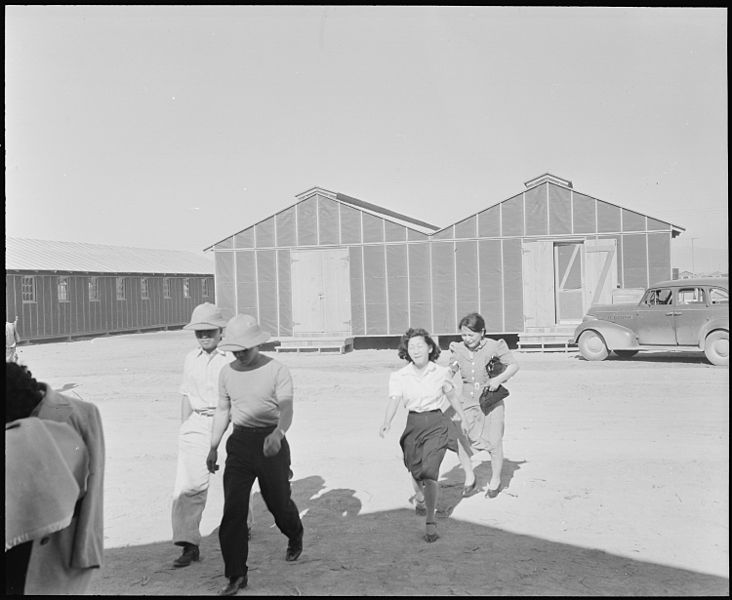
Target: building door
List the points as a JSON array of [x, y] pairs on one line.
[[321, 292], [568, 282], [538, 284], [600, 272]]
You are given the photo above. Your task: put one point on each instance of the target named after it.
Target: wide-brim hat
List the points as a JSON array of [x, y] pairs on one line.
[[242, 332], [206, 316]]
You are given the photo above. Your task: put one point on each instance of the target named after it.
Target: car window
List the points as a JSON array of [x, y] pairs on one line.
[[692, 295], [718, 296], [658, 297]]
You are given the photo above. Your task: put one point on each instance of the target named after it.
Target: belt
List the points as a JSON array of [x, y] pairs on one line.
[[247, 429], [206, 412], [424, 412]]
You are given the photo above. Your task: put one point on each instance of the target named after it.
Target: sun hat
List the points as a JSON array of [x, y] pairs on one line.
[[206, 316], [242, 332]]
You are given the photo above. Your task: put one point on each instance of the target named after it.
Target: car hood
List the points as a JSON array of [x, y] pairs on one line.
[[603, 309]]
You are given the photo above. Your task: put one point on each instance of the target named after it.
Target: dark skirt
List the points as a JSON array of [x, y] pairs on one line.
[[426, 437]]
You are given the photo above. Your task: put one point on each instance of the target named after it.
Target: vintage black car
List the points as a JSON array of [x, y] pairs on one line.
[[688, 314]]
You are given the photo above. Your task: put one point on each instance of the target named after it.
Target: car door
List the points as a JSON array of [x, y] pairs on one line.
[[655, 325], [692, 312]]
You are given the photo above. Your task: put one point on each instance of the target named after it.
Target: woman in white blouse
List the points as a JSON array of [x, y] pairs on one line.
[[422, 386]]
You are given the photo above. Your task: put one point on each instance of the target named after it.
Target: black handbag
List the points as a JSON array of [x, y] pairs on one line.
[[488, 398]]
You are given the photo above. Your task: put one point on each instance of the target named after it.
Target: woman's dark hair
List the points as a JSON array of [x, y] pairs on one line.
[[473, 321], [22, 392], [408, 335]]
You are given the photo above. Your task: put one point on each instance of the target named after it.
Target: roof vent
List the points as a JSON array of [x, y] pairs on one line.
[[548, 178]]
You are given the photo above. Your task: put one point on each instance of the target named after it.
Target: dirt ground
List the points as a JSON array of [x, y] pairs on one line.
[[616, 479]]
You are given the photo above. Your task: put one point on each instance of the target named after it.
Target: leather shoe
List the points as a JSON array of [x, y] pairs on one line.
[[235, 584], [469, 489], [492, 493], [190, 553], [294, 548]]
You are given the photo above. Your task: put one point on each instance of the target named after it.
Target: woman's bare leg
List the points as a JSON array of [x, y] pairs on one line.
[[495, 426]]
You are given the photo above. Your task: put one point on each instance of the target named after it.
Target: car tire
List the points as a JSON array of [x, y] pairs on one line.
[[716, 348], [626, 353], [592, 346]]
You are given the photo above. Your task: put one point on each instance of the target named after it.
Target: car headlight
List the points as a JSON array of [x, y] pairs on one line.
[[589, 318]]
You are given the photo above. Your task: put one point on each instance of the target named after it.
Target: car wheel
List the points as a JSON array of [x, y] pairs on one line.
[[716, 348], [626, 353], [592, 346]]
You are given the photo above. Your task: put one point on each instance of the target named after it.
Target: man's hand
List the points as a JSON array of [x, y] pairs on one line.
[[211, 461], [272, 444], [384, 428]]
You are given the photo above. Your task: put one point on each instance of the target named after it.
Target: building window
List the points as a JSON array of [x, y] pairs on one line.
[[186, 288], [204, 287], [28, 288], [144, 292], [63, 289], [94, 289], [166, 287], [121, 288]]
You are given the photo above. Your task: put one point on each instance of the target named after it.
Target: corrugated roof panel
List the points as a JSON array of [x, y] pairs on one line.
[[44, 255]]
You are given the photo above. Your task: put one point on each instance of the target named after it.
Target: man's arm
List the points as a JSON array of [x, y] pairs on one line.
[[185, 408], [220, 423]]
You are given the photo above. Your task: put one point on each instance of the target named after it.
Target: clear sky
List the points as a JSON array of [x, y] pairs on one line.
[[175, 127]]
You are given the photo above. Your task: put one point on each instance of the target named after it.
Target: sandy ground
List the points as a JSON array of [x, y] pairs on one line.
[[616, 479]]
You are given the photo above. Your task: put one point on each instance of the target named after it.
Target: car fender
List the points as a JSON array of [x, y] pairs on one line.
[[712, 325], [615, 336]]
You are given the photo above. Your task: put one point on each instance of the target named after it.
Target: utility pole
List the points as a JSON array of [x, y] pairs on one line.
[[693, 268]]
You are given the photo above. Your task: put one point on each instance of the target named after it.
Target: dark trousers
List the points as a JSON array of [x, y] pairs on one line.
[[245, 462]]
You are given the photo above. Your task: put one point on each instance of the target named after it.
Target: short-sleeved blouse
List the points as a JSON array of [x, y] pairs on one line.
[[472, 365], [420, 392]]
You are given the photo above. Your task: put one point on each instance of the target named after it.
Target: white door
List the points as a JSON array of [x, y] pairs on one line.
[[321, 292], [600, 272], [538, 283]]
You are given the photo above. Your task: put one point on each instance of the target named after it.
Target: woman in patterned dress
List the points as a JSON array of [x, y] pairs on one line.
[[470, 357]]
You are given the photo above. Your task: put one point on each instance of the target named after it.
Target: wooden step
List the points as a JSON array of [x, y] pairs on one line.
[[315, 344]]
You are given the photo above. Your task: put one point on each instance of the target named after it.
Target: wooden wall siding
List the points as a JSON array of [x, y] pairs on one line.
[[284, 293], [48, 318], [443, 286], [420, 283], [608, 218], [583, 213], [375, 300], [225, 278], [358, 306], [560, 210], [490, 260], [397, 270], [513, 310], [635, 266], [659, 247], [467, 280], [400, 277], [535, 206]]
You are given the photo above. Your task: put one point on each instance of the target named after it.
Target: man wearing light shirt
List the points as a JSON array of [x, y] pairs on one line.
[[256, 395], [199, 390]]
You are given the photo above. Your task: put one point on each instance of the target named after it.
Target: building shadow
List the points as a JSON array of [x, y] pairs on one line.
[[383, 553]]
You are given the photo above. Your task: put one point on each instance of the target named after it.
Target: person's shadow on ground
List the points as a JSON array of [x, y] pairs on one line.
[[452, 483], [348, 552]]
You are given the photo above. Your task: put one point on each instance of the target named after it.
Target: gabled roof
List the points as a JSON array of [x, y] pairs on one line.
[[44, 255], [389, 215], [422, 226]]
